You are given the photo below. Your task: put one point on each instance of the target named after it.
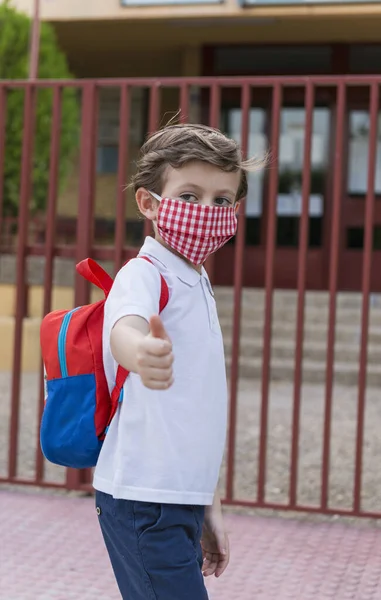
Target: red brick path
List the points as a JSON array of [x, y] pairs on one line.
[[51, 549]]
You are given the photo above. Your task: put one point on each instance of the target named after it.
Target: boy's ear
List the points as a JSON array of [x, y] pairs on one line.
[[236, 206], [146, 204]]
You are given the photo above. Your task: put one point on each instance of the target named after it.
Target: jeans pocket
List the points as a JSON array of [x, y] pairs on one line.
[[103, 503], [146, 517]]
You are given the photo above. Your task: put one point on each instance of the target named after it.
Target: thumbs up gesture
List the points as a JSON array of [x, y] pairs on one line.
[[154, 357]]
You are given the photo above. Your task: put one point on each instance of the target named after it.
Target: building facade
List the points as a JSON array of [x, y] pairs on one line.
[[171, 38]]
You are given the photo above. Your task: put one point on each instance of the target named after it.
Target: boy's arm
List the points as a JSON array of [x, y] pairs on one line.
[[214, 514], [145, 349], [126, 336], [215, 542]]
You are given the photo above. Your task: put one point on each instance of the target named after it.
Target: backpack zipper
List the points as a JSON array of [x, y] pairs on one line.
[[62, 341]]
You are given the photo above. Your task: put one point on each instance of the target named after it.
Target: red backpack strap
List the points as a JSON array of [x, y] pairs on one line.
[[122, 374], [164, 294], [90, 270]]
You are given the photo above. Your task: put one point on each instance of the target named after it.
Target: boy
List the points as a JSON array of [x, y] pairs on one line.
[[158, 469]]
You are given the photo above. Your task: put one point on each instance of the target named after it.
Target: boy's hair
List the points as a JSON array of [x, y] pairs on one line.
[[179, 144]]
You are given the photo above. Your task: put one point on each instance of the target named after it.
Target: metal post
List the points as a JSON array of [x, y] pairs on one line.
[[35, 42]]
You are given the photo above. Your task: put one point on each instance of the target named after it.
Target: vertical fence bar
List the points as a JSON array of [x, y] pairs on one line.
[[85, 228], [21, 284], [85, 222], [153, 124], [49, 250], [238, 280], [302, 264], [184, 103], [366, 282], [3, 117], [214, 121], [124, 138], [154, 108], [333, 286], [35, 41], [215, 105], [52, 196], [269, 288]]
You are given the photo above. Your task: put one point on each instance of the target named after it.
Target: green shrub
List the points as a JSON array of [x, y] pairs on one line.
[[14, 60]]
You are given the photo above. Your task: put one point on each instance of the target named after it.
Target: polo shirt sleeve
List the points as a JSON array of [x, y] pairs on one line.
[[135, 291]]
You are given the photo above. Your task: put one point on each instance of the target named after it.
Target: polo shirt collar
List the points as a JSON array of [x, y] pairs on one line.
[[172, 262]]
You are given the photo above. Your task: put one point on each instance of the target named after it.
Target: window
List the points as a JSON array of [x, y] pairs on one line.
[[107, 159], [365, 58], [298, 2], [279, 60], [355, 238], [108, 126], [291, 161], [288, 229], [166, 2], [359, 152], [257, 147]]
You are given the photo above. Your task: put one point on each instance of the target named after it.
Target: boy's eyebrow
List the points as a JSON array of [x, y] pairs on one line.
[[198, 188], [221, 192]]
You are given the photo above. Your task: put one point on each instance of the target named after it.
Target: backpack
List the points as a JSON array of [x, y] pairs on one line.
[[78, 405]]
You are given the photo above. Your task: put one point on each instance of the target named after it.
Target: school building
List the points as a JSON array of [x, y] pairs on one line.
[[177, 38]]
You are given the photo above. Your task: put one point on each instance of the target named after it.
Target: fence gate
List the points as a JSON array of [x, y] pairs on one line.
[[308, 241]]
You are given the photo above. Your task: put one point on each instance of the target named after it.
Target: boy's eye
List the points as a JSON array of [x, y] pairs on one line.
[[222, 202], [189, 198]]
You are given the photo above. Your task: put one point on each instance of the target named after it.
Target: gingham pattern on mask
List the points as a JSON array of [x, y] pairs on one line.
[[195, 230]]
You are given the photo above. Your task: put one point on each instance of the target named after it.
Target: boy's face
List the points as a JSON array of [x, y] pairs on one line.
[[195, 182]]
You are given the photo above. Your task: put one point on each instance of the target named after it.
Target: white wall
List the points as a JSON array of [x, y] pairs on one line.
[[24, 5]]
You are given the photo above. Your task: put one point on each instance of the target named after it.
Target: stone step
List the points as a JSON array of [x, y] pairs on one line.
[[313, 372], [252, 296], [311, 315], [313, 351], [348, 333]]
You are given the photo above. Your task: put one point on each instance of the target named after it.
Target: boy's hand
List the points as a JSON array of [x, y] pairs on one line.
[[155, 358], [215, 543]]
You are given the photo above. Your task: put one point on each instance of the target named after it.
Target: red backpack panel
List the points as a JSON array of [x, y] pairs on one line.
[[78, 407]]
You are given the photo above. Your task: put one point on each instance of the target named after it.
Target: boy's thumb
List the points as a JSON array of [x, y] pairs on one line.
[[157, 328]]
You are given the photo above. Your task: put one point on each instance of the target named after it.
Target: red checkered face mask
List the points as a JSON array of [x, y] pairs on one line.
[[194, 230]]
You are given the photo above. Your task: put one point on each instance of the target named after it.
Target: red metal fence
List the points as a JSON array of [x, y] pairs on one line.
[[338, 93]]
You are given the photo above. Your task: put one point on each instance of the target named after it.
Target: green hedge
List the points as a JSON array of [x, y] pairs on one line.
[[14, 60]]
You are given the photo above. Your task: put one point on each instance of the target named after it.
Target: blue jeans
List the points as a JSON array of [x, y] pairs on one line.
[[154, 549]]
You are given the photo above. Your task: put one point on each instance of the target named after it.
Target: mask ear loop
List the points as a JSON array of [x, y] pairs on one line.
[[156, 196], [236, 208]]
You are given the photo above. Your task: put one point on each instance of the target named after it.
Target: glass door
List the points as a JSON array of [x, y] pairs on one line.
[[289, 199], [354, 203]]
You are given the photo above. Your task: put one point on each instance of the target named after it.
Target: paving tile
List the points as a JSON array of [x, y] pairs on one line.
[[51, 549]]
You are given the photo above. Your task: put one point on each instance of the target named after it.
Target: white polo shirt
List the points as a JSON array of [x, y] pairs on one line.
[[167, 446]]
